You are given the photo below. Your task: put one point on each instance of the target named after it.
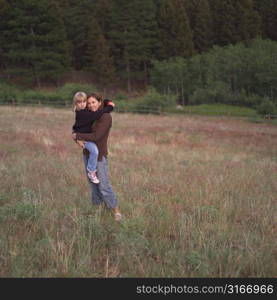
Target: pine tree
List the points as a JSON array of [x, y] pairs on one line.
[[272, 20], [234, 21], [267, 10], [98, 57], [63, 6], [247, 22], [105, 70], [133, 37], [224, 15], [40, 49], [77, 22], [103, 11], [148, 42], [175, 31], [5, 11], [94, 33], [200, 22]]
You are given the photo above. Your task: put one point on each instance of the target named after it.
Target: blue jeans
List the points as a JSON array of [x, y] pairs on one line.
[[93, 156], [102, 192]]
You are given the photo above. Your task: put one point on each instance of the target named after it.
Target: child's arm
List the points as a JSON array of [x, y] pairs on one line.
[[96, 115]]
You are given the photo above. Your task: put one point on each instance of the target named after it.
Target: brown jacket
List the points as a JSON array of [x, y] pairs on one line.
[[99, 135]]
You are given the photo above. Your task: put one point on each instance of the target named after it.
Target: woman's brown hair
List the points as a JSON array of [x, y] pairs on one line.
[[98, 97]]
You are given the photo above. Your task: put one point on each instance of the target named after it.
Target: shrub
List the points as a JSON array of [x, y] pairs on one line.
[[67, 91], [252, 100], [154, 101], [9, 93], [63, 95], [222, 74], [125, 106], [218, 92], [267, 107], [40, 96], [120, 96]]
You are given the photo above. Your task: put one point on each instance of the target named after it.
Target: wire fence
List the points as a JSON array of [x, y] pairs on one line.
[[140, 109]]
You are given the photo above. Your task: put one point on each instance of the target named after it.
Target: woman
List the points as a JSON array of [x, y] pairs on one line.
[[103, 191]]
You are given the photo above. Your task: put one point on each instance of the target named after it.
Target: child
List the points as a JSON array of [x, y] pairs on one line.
[[83, 122]]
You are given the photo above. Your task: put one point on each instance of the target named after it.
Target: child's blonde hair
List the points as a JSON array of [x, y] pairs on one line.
[[77, 97]]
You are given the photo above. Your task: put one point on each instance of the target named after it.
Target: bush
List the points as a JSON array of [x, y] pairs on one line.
[[154, 101], [9, 93], [67, 91], [40, 96], [221, 75], [219, 92], [63, 95], [124, 105], [119, 97], [252, 100], [267, 107]]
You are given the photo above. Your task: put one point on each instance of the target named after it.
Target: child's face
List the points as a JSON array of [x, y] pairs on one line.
[[81, 104]]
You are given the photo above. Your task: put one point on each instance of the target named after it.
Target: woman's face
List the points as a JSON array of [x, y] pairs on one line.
[[93, 104]]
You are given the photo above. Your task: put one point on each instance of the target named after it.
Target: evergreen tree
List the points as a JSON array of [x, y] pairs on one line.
[[63, 6], [224, 15], [267, 10], [40, 49], [133, 36], [148, 43], [200, 22], [247, 22], [98, 56], [119, 36], [63, 9], [94, 33], [105, 70], [103, 11], [175, 31], [77, 23], [234, 21], [5, 10]]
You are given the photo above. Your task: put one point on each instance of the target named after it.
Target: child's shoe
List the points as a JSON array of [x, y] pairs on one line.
[[118, 216], [93, 177]]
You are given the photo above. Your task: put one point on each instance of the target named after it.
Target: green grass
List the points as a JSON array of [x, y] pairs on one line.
[[197, 195], [221, 109]]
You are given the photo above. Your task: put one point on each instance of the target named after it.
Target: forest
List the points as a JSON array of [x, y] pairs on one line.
[[134, 44]]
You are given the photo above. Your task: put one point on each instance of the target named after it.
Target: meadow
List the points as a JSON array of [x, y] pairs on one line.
[[198, 196]]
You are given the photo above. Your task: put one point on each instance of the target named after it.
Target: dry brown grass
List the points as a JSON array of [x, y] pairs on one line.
[[198, 196]]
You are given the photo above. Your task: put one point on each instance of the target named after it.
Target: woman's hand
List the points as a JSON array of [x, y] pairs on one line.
[[111, 103], [108, 102], [81, 144], [74, 136]]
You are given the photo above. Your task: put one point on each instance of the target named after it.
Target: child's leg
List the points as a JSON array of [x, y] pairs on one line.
[[93, 156]]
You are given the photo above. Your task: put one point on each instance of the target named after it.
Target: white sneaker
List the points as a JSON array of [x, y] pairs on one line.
[[117, 216], [93, 177]]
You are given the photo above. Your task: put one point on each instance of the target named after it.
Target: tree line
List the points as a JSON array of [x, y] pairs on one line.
[[120, 39], [243, 75]]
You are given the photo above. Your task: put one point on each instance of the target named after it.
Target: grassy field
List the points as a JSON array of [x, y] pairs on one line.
[[198, 196]]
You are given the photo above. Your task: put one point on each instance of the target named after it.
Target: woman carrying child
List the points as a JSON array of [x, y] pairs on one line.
[[102, 192], [84, 119]]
